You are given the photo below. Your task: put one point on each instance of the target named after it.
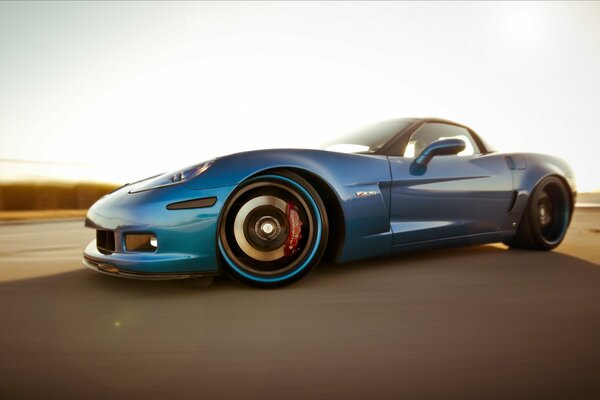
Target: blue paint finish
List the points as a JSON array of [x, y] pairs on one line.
[[319, 233], [457, 196], [537, 167], [367, 228], [159, 262], [186, 238], [516, 161], [457, 200]]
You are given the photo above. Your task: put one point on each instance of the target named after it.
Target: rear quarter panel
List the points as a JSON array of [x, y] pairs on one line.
[[529, 169]]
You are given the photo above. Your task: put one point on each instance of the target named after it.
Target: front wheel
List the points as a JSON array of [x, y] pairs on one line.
[[273, 230], [546, 217]]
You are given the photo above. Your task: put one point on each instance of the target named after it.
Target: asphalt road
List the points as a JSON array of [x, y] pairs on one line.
[[481, 323]]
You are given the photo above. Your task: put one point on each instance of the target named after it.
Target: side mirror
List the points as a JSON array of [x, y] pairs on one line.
[[444, 147]]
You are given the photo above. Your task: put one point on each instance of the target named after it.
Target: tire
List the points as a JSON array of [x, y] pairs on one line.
[[273, 230], [546, 217]]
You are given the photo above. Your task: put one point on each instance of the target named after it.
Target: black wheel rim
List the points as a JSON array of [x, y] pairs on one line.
[[255, 229], [552, 212]]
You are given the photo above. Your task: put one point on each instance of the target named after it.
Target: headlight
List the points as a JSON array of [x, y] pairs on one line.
[[173, 178]]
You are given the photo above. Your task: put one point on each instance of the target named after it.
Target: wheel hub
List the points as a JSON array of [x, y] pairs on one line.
[[545, 212], [267, 228]]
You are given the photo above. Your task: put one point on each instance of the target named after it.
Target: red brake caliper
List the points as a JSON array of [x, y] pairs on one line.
[[294, 236]]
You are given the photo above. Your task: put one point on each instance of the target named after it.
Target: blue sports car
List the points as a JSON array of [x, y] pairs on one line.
[[268, 217]]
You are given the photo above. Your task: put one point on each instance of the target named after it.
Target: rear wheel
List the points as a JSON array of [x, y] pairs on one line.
[[546, 218], [273, 230]]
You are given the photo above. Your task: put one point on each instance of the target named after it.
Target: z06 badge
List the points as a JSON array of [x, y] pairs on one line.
[[365, 194]]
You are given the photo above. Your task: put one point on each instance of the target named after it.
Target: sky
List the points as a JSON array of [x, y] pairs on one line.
[[117, 91]]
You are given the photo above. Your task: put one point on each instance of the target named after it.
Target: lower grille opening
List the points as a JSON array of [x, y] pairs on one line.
[[105, 241]]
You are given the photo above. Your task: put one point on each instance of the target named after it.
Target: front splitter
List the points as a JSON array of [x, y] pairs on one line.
[[111, 270]]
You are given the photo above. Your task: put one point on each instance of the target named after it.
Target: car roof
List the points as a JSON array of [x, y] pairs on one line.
[[441, 121]]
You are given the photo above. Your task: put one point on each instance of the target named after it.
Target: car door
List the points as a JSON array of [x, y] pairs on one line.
[[456, 196]]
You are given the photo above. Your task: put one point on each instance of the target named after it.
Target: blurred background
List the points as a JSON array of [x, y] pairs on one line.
[[94, 95]]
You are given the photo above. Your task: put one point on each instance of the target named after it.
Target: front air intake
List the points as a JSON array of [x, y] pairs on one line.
[[141, 242], [105, 241]]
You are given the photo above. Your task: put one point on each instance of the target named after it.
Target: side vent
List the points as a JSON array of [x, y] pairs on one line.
[[196, 203], [513, 200]]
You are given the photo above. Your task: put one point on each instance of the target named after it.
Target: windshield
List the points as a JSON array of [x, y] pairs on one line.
[[368, 139]]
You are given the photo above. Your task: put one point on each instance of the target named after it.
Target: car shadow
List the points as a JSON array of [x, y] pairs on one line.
[[410, 259], [434, 314], [486, 257]]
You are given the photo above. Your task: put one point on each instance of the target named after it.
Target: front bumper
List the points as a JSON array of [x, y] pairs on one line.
[[187, 238]]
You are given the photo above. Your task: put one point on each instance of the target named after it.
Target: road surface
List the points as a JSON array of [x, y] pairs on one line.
[[482, 322]]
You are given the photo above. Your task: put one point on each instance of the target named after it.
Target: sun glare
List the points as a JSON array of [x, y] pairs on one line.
[[523, 25], [154, 94]]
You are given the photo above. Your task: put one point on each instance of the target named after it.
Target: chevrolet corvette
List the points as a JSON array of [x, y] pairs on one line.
[[268, 217]]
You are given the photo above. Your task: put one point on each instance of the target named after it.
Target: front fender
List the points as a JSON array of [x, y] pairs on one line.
[[367, 230]]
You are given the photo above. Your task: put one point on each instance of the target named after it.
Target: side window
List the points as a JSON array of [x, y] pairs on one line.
[[433, 131]]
